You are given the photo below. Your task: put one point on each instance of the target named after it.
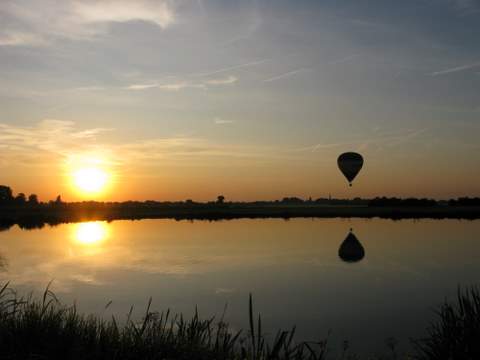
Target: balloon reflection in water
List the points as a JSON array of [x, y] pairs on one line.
[[3, 263], [90, 233], [351, 250]]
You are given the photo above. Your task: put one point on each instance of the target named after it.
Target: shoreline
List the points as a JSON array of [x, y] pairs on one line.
[[38, 216]]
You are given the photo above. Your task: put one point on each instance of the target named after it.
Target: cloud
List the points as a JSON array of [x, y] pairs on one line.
[[225, 81], [38, 22], [14, 38], [285, 75], [65, 141], [183, 84], [361, 143], [234, 67], [344, 59], [141, 86], [466, 7], [174, 86], [156, 12], [53, 136], [181, 148], [254, 22], [89, 88], [456, 69], [219, 121]]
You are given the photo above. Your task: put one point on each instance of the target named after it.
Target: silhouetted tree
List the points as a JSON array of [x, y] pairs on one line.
[[5, 194], [396, 202], [33, 199], [465, 201], [292, 200], [20, 199], [220, 199], [58, 200]]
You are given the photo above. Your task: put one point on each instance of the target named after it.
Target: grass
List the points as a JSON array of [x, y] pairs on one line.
[[45, 329], [455, 334]]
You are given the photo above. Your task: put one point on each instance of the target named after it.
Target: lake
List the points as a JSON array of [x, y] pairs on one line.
[[292, 268]]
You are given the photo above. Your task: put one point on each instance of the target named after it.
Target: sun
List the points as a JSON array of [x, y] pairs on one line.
[[90, 180]]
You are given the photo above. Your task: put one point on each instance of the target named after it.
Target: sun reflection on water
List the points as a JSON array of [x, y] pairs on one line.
[[91, 233]]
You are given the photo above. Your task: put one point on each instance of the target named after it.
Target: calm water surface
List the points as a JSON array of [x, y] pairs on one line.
[[292, 268]]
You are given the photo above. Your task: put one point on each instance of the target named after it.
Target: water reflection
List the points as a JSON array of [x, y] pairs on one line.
[[5, 225], [90, 233], [351, 249], [3, 263], [411, 267]]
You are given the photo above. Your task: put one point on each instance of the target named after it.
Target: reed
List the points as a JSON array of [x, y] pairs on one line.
[[45, 329], [455, 332]]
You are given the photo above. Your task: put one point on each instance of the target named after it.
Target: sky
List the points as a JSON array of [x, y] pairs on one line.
[[252, 99]]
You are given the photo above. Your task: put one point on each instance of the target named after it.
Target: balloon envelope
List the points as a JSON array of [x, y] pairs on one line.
[[350, 164]]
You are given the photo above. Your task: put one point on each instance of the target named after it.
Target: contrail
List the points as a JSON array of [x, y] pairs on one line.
[[251, 63], [281, 76], [455, 69], [344, 59]]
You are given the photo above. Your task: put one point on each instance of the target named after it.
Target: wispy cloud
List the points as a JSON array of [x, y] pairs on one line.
[[18, 38], [225, 81], [187, 149], [38, 22], [361, 143], [466, 7], [56, 137], [220, 121], [183, 84], [254, 22], [89, 88], [286, 75], [456, 69], [344, 59], [141, 86], [234, 67], [156, 12], [65, 140]]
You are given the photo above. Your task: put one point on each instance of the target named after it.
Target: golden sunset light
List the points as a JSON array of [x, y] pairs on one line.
[[89, 175], [90, 180], [90, 233], [305, 160]]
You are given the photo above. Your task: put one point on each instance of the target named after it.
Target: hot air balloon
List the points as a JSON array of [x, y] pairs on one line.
[[350, 164], [351, 250]]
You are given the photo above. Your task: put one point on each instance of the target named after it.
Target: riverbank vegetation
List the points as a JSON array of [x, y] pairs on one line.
[[31, 213], [45, 329]]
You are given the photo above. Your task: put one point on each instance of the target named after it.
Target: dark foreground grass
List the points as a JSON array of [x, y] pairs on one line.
[[46, 329], [455, 333]]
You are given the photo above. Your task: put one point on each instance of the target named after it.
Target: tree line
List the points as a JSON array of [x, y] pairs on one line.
[[7, 198]]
